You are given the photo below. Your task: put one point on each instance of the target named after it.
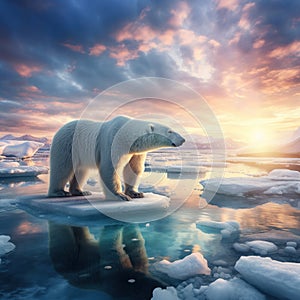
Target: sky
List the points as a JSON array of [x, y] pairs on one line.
[[241, 56]]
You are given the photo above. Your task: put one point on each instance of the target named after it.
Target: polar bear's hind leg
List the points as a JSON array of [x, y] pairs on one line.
[[77, 182]]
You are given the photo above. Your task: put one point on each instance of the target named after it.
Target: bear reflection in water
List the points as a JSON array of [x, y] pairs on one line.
[[117, 264]]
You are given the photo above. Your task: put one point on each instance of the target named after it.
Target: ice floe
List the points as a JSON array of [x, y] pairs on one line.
[[5, 245], [191, 265], [20, 149], [151, 207], [226, 229], [279, 279], [277, 182], [14, 169]]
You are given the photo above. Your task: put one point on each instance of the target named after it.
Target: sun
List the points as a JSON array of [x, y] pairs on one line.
[[260, 138]]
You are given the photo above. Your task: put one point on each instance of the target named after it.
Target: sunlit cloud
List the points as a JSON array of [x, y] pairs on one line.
[[26, 70], [76, 48], [97, 49]]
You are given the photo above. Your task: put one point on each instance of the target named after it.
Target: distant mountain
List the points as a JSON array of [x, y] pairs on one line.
[[292, 147], [296, 134], [26, 137]]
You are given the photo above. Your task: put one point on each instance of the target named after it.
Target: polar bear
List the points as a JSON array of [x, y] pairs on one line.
[[116, 147]]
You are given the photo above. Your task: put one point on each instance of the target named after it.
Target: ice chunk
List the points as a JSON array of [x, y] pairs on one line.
[[20, 149], [279, 279], [278, 182], [284, 174], [227, 229], [234, 289], [262, 247], [291, 244], [191, 265], [240, 247], [169, 293], [14, 170], [290, 250], [5, 245]]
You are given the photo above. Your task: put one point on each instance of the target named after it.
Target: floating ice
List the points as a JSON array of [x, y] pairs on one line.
[[227, 229], [5, 245], [152, 206], [191, 265], [21, 149], [257, 246], [278, 182], [186, 169], [284, 174], [279, 279], [14, 169], [262, 247], [169, 293], [234, 289]]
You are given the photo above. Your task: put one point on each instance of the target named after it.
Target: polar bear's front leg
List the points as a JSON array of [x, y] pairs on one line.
[[132, 174], [111, 182]]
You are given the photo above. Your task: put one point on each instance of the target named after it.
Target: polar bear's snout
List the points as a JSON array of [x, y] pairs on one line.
[[177, 139]]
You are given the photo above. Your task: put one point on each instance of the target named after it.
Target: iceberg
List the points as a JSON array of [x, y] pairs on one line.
[[191, 265], [20, 149], [277, 182], [278, 279]]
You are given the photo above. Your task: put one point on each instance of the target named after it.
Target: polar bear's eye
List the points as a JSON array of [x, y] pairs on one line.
[[170, 131], [151, 127]]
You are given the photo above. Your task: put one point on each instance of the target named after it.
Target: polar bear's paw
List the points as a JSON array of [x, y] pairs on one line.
[[81, 193], [134, 194], [61, 193], [124, 197]]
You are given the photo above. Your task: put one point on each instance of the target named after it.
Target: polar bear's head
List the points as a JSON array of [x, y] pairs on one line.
[[154, 136]]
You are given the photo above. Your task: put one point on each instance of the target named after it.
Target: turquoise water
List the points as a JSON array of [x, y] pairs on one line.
[[57, 256]]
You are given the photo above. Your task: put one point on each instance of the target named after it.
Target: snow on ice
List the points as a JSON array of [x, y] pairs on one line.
[[277, 182], [191, 265], [20, 149], [279, 279]]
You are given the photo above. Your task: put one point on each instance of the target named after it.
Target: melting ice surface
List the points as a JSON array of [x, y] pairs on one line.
[[63, 257]]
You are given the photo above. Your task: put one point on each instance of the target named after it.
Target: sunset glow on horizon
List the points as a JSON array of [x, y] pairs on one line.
[[242, 57]]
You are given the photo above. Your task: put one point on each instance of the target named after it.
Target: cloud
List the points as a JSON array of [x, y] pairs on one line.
[[233, 52], [26, 70], [97, 49], [76, 48]]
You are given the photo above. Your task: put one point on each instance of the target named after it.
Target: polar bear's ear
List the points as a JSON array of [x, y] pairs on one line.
[[151, 128]]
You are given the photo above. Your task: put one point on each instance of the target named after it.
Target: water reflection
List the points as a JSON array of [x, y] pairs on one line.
[[116, 264]]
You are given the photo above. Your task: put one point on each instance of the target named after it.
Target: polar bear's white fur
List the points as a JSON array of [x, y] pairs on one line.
[[116, 147]]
